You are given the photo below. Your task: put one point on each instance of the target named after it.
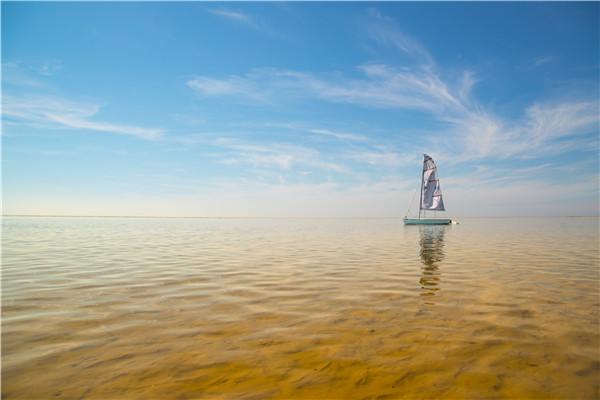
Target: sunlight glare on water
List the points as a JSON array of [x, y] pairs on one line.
[[299, 308]]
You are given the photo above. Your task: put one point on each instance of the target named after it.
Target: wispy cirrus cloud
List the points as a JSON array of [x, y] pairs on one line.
[[55, 112], [548, 121], [29, 75], [333, 133], [49, 68], [279, 155], [14, 73], [46, 111], [244, 19], [384, 31], [542, 60], [471, 131], [242, 86], [233, 15], [383, 158], [343, 136], [382, 86], [544, 129], [86, 124]]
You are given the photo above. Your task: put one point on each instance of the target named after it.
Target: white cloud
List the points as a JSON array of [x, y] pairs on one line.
[[32, 75], [550, 121], [221, 87], [468, 81], [55, 112], [277, 155], [542, 61], [82, 123], [244, 86], [545, 129], [245, 19], [13, 73], [385, 32], [233, 15], [344, 136], [382, 87], [383, 158], [49, 68]]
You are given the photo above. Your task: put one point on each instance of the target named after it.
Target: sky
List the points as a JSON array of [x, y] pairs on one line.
[[313, 109]]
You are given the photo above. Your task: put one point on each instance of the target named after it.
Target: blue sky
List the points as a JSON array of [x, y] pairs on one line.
[[298, 109]]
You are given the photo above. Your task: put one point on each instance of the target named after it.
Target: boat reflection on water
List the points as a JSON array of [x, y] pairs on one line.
[[432, 253]]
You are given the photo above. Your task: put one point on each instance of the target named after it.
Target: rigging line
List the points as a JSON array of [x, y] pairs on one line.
[[410, 204]]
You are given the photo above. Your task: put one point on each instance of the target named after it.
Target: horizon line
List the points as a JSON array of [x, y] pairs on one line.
[[274, 217]]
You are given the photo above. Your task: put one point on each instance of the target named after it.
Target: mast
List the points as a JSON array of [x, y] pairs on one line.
[[422, 177]]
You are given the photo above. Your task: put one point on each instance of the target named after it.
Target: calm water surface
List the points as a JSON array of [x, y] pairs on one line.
[[256, 308]]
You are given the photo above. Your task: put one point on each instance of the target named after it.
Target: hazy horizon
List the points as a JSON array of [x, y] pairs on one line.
[[304, 110], [456, 218]]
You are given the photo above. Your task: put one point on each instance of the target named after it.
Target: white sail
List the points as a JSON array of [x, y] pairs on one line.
[[431, 192]]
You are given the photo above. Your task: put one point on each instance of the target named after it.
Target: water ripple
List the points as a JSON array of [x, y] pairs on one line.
[[201, 308]]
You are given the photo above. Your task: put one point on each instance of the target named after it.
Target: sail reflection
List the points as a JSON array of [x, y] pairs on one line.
[[432, 253]]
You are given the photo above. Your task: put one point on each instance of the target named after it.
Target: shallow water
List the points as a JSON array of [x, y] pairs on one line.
[[294, 308]]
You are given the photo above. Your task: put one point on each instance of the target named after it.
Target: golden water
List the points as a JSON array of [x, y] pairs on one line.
[[257, 308]]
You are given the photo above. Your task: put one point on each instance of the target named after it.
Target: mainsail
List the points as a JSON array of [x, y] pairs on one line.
[[431, 192]]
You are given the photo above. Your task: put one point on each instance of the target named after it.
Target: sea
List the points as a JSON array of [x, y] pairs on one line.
[[200, 308]]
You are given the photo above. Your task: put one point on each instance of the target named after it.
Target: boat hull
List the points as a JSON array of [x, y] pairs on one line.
[[427, 221]]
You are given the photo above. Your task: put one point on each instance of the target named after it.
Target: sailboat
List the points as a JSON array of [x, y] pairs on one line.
[[431, 196]]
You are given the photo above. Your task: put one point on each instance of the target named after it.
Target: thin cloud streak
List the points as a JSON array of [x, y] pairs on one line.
[[233, 15], [81, 123], [383, 158], [385, 32], [54, 112], [343, 136], [244, 19], [541, 61], [278, 155], [244, 86]]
